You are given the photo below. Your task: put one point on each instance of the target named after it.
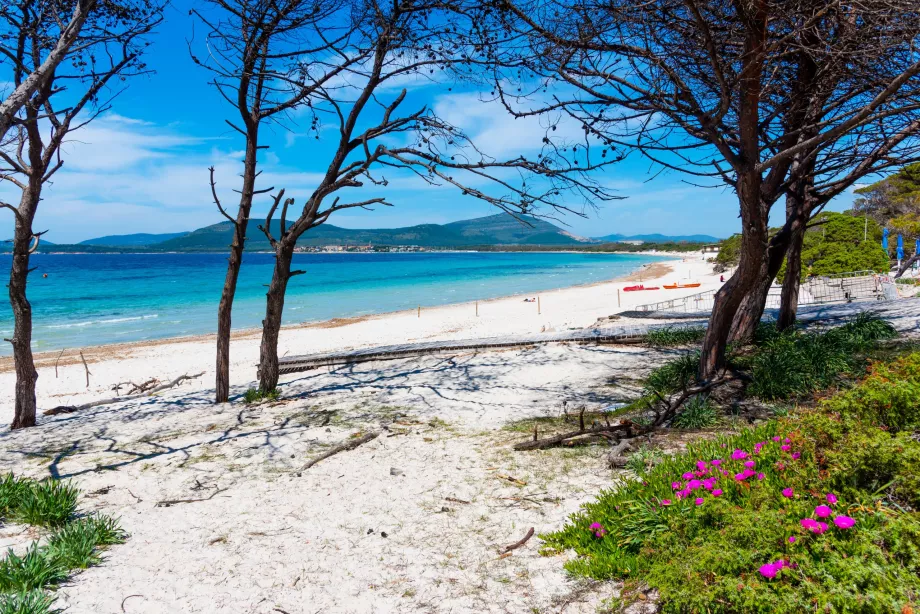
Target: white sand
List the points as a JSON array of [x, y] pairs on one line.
[[272, 541]]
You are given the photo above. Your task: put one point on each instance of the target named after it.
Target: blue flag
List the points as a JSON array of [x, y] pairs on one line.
[[900, 247], [885, 239]]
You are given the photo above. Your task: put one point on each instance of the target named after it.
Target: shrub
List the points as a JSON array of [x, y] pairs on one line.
[[674, 375], [734, 524], [697, 413], [28, 572], [49, 503]]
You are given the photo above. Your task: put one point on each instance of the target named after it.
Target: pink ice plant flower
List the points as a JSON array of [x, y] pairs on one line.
[[688, 475], [701, 465], [598, 528], [665, 502], [739, 455], [694, 484], [822, 511], [844, 522], [675, 485], [796, 455], [717, 492], [809, 524], [761, 476], [750, 464], [787, 492], [776, 438], [792, 539], [785, 448], [831, 498], [771, 569], [699, 501], [716, 462]]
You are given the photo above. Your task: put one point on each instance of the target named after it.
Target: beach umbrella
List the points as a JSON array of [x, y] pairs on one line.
[[916, 247], [900, 247], [885, 239]]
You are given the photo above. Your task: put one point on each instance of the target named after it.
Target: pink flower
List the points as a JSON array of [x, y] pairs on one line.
[[787, 440], [665, 502], [740, 477], [769, 570], [709, 483], [701, 465], [785, 448], [844, 522], [675, 485], [596, 525], [761, 476], [600, 533], [822, 511], [688, 475], [717, 492], [796, 455], [694, 484], [716, 462], [831, 498], [776, 438], [750, 464], [699, 501], [822, 527], [781, 465], [739, 455], [809, 524], [787, 492], [792, 539]]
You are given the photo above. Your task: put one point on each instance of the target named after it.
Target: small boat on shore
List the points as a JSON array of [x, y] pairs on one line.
[[639, 287], [676, 286]]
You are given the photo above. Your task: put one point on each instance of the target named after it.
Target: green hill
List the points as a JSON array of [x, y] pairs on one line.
[[499, 229], [141, 239]]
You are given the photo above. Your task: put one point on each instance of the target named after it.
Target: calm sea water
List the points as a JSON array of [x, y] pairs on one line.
[[91, 299]]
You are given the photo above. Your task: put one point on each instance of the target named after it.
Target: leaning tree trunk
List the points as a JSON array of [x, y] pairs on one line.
[[234, 262], [789, 300], [752, 306], [754, 243], [274, 306], [26, 375]]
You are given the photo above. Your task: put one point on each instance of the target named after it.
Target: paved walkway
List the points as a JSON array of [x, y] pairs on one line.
[[903, 314]]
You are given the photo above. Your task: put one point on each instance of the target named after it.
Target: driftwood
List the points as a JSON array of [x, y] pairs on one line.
[[348, 445], [599, 430], [69, 409], [56, 363], [517, 544], [85, 366], [171, 502], [617, 456]]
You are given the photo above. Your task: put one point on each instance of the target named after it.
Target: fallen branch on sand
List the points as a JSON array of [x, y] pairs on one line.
[[348, 445], [517, 544], [171, 502], [596, 430], [69, 409]]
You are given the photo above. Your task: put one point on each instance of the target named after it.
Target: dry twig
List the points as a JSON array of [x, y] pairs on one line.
[[348, 445]]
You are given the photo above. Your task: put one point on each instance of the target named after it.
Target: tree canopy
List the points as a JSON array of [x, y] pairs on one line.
[[835, 244], [893, 197]]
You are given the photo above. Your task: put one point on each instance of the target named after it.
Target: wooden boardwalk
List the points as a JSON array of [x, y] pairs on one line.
[[607, 334]]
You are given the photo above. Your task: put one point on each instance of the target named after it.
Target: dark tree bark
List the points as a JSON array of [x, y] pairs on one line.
[[274, 307], [26, 375]]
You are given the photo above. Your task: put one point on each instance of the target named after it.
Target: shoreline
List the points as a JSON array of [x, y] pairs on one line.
[[63, 379], [71, 355]]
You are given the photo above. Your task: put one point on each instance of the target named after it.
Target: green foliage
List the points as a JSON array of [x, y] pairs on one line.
[[31, 602], [257, 395], [729, 251], [893, 196], [708, 557], [49, 503], [795, 363], [836, 245], [76, 543], [672, 336], [642, 460], [674, 375], [697, 413]]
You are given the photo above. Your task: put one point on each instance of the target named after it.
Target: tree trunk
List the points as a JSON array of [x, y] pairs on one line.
[[26, 375], [752, 307], [789, 301], [754, 244], [234, 262], [274, 306]]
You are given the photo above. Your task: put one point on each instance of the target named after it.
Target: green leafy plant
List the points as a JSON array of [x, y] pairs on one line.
[[674, 375], [29, 602], [49, 503], [697, 413], [256, 395]]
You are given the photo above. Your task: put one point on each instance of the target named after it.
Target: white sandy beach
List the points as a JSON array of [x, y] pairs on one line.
[[412, 521]]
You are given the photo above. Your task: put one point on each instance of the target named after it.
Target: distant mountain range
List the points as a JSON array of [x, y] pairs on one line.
[[494, 230]]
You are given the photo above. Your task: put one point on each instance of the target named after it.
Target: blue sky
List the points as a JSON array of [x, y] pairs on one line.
[[143, 166]]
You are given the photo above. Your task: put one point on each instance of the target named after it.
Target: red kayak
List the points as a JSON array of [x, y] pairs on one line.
[[640, 287]]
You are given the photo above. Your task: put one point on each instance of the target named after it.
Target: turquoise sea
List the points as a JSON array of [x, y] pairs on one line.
[[93, 299]]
